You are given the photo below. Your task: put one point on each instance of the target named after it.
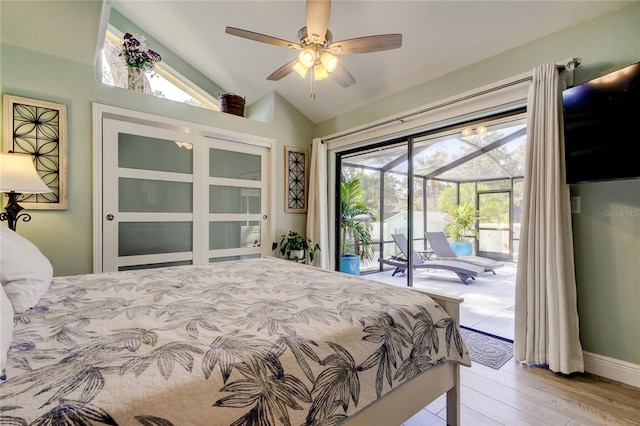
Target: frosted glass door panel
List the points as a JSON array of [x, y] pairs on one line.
[[154, 196], [149, 195], [144, 238], [234, 165], [232, 235], [232, 199], [237, 200], [146, 153]]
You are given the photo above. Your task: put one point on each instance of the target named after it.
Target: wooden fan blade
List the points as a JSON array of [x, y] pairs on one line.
[[283, 71], [318, 12], [262, 38], [375, 43], [342, 76]]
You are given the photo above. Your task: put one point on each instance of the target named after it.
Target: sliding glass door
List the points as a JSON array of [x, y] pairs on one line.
[[416, 183]]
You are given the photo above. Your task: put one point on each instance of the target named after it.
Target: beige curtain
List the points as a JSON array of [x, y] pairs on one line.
[[546, 320], [317, 216]]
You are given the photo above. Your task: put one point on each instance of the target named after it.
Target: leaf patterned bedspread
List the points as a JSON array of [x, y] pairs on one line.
[[249, 342]]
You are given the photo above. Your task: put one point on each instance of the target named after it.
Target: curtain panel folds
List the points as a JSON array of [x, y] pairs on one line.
[[317, 210], [546, 319]]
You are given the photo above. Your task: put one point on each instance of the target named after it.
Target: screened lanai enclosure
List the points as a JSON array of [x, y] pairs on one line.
[[479, 163]]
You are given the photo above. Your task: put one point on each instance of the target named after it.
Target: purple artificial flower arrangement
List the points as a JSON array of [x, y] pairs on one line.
[[136, 54]]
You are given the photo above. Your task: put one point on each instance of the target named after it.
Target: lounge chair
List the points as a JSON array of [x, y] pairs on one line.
[[443, 251], [465, 271]]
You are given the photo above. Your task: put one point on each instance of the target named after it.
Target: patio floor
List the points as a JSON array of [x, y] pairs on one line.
[[488, 300]]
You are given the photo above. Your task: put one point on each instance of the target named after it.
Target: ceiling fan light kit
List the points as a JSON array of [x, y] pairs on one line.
[[307, 57], [317, 50], [323, 64], [319, 72], [300, 69], [329, 62]]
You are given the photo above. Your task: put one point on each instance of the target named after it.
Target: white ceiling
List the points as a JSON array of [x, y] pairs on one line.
[[438, 37]]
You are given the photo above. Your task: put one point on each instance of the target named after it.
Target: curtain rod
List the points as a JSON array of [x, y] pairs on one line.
[[569, 65]]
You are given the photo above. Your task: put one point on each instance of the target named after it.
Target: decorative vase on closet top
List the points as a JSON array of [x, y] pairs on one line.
[[135, 79]]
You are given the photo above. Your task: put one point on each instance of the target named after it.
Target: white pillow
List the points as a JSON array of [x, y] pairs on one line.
[[24, 271], [6, 326]]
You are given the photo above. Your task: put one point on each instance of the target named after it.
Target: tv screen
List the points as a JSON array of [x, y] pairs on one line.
[[602, 127]]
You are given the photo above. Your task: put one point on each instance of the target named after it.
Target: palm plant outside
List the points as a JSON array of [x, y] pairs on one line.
[[463, 222], [353, 209]]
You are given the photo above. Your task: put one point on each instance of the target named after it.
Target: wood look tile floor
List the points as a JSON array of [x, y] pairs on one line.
[[519, 395]]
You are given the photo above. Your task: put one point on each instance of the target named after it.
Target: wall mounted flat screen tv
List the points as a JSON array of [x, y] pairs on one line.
[[602, 127]]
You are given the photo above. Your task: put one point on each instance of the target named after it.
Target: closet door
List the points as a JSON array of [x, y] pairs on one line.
[[237, 177], [172, 198]]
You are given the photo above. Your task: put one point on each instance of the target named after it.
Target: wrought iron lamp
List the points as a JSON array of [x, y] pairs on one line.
[[18, 176]]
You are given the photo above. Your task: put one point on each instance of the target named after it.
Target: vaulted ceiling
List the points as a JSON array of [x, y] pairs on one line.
[[438, 37]]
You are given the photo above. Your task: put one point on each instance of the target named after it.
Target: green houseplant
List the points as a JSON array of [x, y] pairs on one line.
[[294, 246], [463, 223], [354, 215]]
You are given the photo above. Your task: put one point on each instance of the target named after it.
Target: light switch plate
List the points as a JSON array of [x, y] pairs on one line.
[[575, 204]]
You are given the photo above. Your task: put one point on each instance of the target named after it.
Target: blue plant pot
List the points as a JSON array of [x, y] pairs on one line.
[[462, 249], [350, 264]]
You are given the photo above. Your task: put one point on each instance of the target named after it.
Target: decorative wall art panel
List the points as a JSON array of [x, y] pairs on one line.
[[39, 128], [296, 169]]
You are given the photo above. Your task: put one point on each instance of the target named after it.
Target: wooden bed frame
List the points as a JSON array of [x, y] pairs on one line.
[[403, 402]]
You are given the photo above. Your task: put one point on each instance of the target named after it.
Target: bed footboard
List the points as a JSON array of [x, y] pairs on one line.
[[403, 402], [451, 304]]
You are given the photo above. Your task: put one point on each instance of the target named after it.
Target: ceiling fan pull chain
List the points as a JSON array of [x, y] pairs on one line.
[[313, 84]]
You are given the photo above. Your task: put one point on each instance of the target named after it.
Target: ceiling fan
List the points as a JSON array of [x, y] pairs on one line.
[[317, 51]]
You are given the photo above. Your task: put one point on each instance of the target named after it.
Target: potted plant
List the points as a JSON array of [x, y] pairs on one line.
[[463, 223], [354, 216], [138, 58], [294, 246]]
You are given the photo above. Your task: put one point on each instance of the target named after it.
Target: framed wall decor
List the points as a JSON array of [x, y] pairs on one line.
[[296, 179], [39, 128]]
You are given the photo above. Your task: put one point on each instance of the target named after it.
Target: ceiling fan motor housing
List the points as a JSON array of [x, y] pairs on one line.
[[305, 40]]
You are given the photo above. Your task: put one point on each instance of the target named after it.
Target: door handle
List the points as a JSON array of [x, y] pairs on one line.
[[110, 217], [265, 217]]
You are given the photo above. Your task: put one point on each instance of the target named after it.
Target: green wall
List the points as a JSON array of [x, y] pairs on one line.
[[607, 250], [297, 128]]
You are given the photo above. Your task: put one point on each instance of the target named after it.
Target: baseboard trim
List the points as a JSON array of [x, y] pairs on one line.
[[611, 368]]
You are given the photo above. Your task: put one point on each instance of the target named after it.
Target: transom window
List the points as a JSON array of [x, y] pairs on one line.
[[165, 82]]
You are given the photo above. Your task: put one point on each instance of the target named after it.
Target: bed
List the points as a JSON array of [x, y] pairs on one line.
[[248, 342]]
